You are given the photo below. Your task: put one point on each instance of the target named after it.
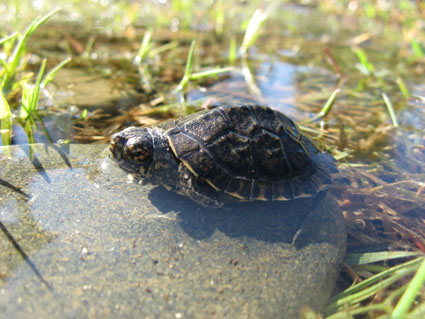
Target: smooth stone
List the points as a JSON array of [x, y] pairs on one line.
[[113, 249]]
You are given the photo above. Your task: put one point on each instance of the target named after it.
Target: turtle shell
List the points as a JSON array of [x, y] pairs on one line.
[[251, 152]]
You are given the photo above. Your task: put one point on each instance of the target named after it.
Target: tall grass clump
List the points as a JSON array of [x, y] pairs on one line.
[[14, 84]]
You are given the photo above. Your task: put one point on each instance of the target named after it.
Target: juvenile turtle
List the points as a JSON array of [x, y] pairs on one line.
[[227, 154]]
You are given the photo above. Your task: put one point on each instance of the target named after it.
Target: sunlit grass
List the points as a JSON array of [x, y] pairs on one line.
[[145, 46], [350, 302], [10, 68], [364, 66], [218, 16], [188, 70], [233, 52], [409, 296], [390, 109], [326, 108], [31, 93], [403, 88], [10, 78], [5, 120], [253, 30]]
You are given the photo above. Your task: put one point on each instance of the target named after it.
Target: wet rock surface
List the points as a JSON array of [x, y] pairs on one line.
[[113, 249]]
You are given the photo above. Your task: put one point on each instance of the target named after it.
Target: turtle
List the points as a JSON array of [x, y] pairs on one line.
[[228, 154]]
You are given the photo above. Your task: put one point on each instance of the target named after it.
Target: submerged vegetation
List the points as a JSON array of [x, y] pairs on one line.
[[350, 72]]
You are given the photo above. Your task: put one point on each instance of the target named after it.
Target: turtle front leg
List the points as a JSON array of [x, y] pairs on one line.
[[198, 191]]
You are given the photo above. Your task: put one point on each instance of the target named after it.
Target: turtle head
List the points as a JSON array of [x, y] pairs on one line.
[[133, 149]]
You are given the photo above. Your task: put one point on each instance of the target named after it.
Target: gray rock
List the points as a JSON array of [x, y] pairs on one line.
[[112, 249]]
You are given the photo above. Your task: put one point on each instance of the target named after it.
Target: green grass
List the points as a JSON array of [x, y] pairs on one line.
[[12, 79], [365, 66], [233, 52], [5, 120], [397, 302], [10, 69], [410, 294], [403, 88], [145, 47], [326, 108], [390, 109], [253, 30], [30, 94]]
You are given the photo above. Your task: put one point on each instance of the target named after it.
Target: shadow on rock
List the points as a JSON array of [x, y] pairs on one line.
[[301, 221]]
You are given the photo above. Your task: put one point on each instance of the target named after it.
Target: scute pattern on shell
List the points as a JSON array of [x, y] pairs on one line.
[[251, 152]]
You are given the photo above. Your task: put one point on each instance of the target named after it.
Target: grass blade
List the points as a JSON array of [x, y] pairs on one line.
[[144, 47], [375, 278], [326, 108], [30, 94], [49, 76], [410, 294], [250, 79], [390, 109], [5, 120], [27, 93], [162, 48], [6, 39], [203, 74], [253, 30], [189, 64], [365, 65], [403, 88], [365, 293], [36, 92], [29, 126], [369, 287], [232, 51], [366, 258], [5, 67], [5, 111]]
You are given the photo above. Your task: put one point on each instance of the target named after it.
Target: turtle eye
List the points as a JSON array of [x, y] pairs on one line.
[[139, 149], [132, 144]]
